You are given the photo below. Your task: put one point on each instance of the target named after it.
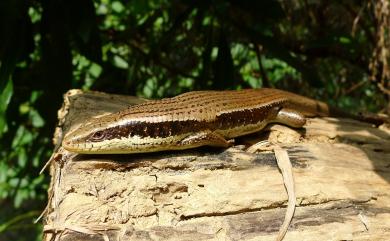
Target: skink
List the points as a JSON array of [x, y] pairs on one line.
[[191, 120]]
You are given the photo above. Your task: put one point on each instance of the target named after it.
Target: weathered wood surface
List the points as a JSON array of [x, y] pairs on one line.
[[341, 169]]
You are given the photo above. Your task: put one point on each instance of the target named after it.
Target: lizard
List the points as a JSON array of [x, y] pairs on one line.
[[190, 120]]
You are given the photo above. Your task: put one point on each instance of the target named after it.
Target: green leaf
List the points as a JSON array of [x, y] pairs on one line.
[[95, 70], [344, 40], [22, 137], [36, 119], [35, 14], [22, 157], [117, 6], [120, 62], [5, 98]]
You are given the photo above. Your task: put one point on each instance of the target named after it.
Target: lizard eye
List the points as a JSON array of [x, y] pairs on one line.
[[97, 136]]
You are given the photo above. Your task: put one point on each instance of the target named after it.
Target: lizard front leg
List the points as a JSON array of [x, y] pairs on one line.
[[204, 138]]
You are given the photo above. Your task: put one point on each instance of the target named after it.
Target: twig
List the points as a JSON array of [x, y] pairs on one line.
[[258, 49], [284, 165]]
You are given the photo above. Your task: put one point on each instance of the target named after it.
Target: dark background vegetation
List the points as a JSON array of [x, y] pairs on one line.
[[330, 50]]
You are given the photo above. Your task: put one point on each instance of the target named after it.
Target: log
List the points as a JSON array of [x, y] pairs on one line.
[[341, 169]]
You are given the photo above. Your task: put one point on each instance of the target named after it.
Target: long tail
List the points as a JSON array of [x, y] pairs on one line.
[[307, 106], [310, 108]]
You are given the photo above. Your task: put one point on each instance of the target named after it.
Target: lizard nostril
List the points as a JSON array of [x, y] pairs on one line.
[[66, 143]]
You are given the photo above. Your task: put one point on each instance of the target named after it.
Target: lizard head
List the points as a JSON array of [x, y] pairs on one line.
[[111, 134], [102, 135]]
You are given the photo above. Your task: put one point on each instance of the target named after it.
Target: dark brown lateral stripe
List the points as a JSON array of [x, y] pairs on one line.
[[244, 117], [153, 130], [171, 128]]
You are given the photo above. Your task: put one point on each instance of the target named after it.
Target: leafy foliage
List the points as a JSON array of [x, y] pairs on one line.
[[161, 48]]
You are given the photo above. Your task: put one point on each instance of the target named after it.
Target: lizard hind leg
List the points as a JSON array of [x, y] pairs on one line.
[[290, 117]]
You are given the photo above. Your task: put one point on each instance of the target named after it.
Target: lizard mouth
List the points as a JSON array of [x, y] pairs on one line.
[[69, 146], [70, 142]]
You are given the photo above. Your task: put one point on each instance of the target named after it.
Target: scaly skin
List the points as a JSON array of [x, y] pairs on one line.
[[191, 120]]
